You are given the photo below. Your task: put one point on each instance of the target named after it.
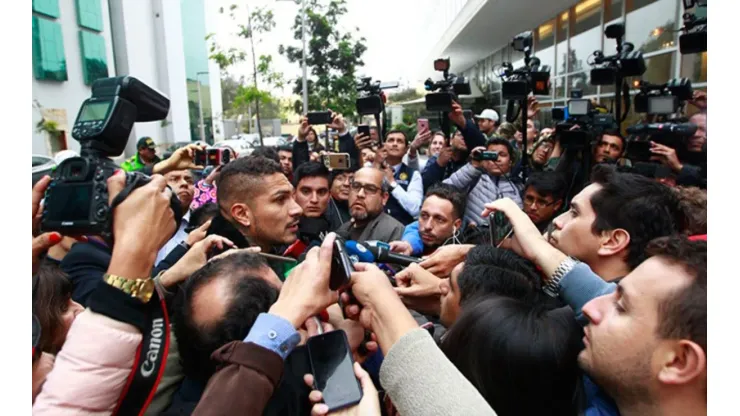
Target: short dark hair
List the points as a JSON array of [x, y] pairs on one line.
[[520, 356], [643, 207], [285, 148], [548, 184], [456, 197], [501, 141], [683, 314], [240, 177], [489, 270], [265, 151], [693, 203], [405, 138], [335, 173], [615, 133], [250, 296], [310, 170], [202, 214]]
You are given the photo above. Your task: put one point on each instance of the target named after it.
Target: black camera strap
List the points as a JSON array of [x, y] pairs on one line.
[[149, 362]]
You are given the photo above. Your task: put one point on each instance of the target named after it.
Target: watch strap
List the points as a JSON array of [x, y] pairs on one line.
[[141, 289], [552, 288]]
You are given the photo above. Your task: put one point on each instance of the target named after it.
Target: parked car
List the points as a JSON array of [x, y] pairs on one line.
[[252, 138], [241, 147], [41, 165], [274, 141]]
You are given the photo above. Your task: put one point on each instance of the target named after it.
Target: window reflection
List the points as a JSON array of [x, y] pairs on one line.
[[559, 87], [694, 67], [581, 81], [651, 25], [561, 50], [587, 35], [544, 48]]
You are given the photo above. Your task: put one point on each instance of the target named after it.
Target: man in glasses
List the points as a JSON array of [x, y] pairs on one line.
[[367, 196], [543, 197]]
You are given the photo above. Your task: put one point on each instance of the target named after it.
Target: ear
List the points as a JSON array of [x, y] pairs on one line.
[[241, 214], [682, 362], [613, 242], [457, 223], [386, 195], [557, 205]]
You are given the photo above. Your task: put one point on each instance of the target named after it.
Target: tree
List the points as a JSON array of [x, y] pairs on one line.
[[408, 94], [260, 21], [332, 58]]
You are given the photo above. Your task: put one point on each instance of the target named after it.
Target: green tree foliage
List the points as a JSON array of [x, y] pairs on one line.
[[332, 58], [404, 95]]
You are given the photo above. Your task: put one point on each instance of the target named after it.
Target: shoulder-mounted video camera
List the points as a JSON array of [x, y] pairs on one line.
[[372, 98], [694, 37], [627, 62], [531, 78], [591, 121], [450, 87], [76, 201], [662, 99]]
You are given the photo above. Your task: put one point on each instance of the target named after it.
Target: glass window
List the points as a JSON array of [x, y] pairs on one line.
[[48, 50], [612, 14], [561, 50], [545, 47], [94, 61], [559, 87], [659, 68], [89, 14], [581, 81], [47, 7], [586, 34], [651, 25], [694, 67]]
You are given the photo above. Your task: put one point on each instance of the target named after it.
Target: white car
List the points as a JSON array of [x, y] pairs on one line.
[[252, 138], [241, 147], [41, 165]]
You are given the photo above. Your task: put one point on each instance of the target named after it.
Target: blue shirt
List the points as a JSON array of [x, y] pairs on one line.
[[274, 333], [411, 236]]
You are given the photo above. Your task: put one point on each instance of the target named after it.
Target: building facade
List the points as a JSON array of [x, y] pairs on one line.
[[76, 42], [566, 34]]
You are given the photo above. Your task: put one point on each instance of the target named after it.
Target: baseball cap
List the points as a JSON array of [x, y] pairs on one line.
[[488, 114], [146, 142]]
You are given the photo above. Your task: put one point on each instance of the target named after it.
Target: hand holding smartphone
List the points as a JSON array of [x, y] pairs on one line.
[[331, 366], [499, 228]]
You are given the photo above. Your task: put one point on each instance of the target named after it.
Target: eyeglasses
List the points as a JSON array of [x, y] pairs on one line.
[[369, 189], [538, 202]]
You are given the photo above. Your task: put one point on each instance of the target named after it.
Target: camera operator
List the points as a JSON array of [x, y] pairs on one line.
[[440, 222], [487, 180], [541, 151], [257, 206], [609, 147], [689, 163], [645, 342], [368, 195], [448, 161], [146, 156], [405, 183]]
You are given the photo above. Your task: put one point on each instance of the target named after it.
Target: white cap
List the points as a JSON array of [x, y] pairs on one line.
[[488, 114], [64, 155]]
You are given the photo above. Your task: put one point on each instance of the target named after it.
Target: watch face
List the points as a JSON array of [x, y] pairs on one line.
[[146, 290]]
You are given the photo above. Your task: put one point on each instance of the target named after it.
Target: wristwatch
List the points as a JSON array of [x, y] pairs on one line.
[[141, 289], [553, 286], [394, 185]]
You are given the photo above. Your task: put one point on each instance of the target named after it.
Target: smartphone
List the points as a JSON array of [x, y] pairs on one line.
[[422, 125], [317, 118], [341, 266], [200, 158], [336, 161], [499, 227], [331, 366], [363, 129]]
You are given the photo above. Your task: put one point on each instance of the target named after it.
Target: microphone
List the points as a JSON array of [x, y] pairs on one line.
[[358, 252], [683, 129], [383, 254]]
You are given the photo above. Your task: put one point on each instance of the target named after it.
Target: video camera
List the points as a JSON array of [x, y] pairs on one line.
[[694, 37], [531, 78], [450, 87], [76, 201], [372, 99], [664, 99], [591, 121], [627, 62]]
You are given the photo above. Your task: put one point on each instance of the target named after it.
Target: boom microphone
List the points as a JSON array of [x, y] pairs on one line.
[[683, 129]]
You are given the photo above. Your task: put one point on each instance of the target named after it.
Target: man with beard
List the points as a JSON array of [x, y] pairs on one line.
[[368, 195], [440, 222], [609, 148], [257, 207], [448, 161]]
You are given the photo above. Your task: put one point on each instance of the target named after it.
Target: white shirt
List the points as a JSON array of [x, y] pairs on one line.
[[410, 199], [178, 238]]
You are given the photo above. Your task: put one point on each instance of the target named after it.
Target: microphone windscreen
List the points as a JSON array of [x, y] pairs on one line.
[[359, 250]]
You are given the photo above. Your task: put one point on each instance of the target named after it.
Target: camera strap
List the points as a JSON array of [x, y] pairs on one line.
[[149, 362]]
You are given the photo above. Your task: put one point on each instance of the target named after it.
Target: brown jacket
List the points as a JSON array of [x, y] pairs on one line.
[[244, 384]]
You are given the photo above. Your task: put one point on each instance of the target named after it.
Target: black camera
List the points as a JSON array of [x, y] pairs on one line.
[[591, 121], [694, 37], [532, 77], [372, 99], [450, 87], [76, 201], [663, 99], [627, 62]]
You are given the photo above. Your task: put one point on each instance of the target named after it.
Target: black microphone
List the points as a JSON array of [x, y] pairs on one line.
[[683, 129], [383, 254]]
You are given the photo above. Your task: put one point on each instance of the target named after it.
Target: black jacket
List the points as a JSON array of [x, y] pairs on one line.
[[337, 214], [85, 265]]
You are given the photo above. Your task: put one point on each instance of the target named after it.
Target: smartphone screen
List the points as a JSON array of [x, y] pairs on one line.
[[199, 158], [363, 129], [499, 227], [331, 365], [422, 125], [319, 117]]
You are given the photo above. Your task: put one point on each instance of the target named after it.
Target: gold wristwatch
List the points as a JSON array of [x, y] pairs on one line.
[[141, 289]]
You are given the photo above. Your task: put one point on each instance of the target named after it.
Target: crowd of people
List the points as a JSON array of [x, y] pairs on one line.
[[594, 304]]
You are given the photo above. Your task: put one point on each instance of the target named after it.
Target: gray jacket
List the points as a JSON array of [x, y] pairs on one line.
[[487, 189], [382, 228]]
